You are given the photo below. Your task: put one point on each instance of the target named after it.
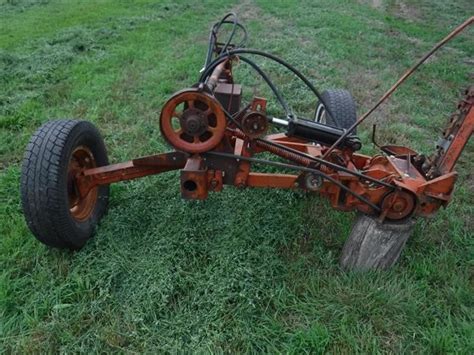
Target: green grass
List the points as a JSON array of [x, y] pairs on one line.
[[253, 270]]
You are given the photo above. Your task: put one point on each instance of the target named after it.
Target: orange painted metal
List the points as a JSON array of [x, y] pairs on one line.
[[87, 179], [198, 127], [81, 206], [243, 168], [215, 180], [394, 185], [217, 143], [194, 179], [456, 136], [280, 181], [458, 143]]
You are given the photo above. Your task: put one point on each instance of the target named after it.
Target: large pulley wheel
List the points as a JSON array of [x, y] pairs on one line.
[[398, 205], [193, 121]]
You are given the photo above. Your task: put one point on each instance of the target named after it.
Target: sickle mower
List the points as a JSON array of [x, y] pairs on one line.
[[217, 141]]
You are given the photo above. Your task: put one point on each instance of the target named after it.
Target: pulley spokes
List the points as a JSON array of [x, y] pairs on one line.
[[192, 121]]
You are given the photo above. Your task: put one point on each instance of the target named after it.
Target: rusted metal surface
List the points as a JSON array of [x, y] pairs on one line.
[[217, 143], [280, 181], [398, 205], [194, 182], [394, 186], [215, 76], [255, 122], [455, 138], [197, 126], [81, 206], [229, 96], [87, 179], [397, 150]]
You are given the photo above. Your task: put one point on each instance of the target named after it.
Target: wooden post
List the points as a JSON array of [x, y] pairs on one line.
[[373, 245]]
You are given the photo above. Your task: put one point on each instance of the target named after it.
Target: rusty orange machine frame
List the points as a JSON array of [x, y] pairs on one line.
[[219, 141], [394, 185]]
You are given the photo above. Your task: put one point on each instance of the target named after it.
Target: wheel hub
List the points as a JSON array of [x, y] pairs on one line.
[[194, 122], [398, 205], [254, 124], [80, 207]]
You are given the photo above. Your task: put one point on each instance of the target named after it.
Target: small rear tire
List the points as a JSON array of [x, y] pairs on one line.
[[54, 211], [342, 106]]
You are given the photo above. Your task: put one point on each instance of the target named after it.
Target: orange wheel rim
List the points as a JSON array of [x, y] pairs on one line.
[[80, 208]]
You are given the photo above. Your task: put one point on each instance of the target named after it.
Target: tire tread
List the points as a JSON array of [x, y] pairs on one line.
[[342, 106], [42, 201]]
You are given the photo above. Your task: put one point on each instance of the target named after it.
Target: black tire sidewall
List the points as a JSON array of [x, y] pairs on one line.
[[44, 183]]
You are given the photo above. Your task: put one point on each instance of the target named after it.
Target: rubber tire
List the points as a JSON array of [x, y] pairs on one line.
[[342, 106], [43, 187]]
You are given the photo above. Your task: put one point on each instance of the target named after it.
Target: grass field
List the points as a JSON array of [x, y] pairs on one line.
[[253, 270]]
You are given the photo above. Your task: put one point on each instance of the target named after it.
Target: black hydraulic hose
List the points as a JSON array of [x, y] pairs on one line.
[[214, 33], [231, 118], [212, 39], [209, 48], [234, 28], [245, 35], [272, 86], [237, 51], [265, 77]]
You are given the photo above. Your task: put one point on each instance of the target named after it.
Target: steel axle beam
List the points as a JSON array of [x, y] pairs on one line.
[[136, 168]]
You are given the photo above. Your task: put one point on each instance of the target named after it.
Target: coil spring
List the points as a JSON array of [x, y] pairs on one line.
[[276, 150]]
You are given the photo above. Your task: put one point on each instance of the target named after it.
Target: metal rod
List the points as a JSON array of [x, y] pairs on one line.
[[272, 86], [216, 73], [279, 121], [455, 32], [296, 167], [327, 163]]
